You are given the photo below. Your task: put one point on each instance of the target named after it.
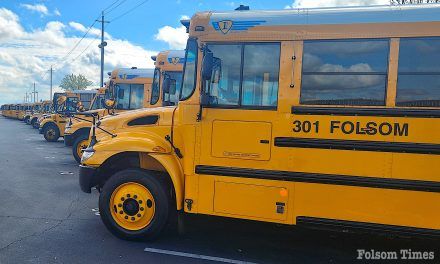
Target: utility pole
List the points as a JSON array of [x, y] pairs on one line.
[[34, 92], [102, 46], [51, 71]]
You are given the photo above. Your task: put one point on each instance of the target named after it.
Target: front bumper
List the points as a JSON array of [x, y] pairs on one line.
[[87, 178], [68, 140], [40, 130]]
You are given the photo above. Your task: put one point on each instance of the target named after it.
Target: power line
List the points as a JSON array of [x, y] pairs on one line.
[[113, 8], [87, 32], [88, 46], [77, 43], [130, 10], [105, 9]]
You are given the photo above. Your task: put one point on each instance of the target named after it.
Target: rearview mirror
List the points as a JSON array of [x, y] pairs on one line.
[[208, 60], [108, 104]]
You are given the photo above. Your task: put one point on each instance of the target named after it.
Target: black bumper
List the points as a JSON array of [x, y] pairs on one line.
[[68, 140], [87, 178], [40, 130]]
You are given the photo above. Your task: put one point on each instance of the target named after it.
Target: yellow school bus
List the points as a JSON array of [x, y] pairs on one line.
[[33, 108], [311, 117], [23, 109], [128, 87], [5, 110], [64, 104], [45, 108]]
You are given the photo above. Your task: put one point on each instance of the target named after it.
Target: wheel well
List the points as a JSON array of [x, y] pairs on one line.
[[51, 123], [127, 160], [84, 130]]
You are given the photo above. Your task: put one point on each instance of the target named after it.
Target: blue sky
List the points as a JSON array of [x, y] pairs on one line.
[[35, 34], [139, 26]]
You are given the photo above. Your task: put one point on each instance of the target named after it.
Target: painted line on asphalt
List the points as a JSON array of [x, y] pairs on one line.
[[195, 256]]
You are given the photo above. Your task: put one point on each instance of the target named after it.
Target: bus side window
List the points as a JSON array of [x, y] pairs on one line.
[[260, 75], [418, 82], [245, 75], [226, 90], [345, 72]]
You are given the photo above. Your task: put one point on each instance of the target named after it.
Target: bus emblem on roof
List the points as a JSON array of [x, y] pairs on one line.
[[175, 60], [224, 26]]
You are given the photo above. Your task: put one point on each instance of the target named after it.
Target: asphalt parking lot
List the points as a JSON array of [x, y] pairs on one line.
[[45, 218]]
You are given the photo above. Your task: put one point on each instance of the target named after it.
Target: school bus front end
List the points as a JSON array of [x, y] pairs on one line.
[[46, 108], [129, 88], [289, 118], [52, 125]]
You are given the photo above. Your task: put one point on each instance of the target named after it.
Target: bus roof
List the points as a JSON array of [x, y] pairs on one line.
[[84, 91], [170, 60], [244, 20], [132, 73]]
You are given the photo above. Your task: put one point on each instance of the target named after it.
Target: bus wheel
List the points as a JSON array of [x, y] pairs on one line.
[[51, 133], [81, 142], [34, 123], [134, 205]]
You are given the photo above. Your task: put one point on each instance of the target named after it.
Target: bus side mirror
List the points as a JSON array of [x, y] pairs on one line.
[[108, 103], [207, 65]]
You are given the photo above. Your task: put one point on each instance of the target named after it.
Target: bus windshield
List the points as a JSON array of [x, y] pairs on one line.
[[71, 104]]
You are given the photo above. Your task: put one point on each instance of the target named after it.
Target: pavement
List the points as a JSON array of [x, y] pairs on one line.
[[45, 218]]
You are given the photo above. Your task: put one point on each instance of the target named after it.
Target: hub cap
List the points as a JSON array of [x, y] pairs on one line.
[[81, 146], [51, 133], [132, 206]]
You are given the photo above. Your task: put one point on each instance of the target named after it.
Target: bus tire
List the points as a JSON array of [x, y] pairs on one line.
[[81, 142], [134, 205], [34, 123], [51, 133]]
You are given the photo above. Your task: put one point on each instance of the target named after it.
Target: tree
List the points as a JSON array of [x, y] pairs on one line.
[[75, 82]]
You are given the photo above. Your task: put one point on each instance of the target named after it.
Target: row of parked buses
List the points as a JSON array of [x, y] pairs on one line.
[[310, 117], [70, 114]]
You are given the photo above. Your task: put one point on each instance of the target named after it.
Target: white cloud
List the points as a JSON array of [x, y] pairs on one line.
[[26, 56], [9, 25], [333, 3], [39, 8], [93, 31], [176, 37]]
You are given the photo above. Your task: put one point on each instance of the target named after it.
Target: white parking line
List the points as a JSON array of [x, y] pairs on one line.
[[195, 256]]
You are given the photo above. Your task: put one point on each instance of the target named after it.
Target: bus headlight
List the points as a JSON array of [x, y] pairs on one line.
[[87, 154]]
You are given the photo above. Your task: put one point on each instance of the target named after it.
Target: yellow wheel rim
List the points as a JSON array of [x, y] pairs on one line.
[[81, 146], [132, 206], [51, 133]]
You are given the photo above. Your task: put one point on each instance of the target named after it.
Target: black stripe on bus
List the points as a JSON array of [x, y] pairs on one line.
[[332, 179], [349, 111], [332, 224], [359, 145]]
